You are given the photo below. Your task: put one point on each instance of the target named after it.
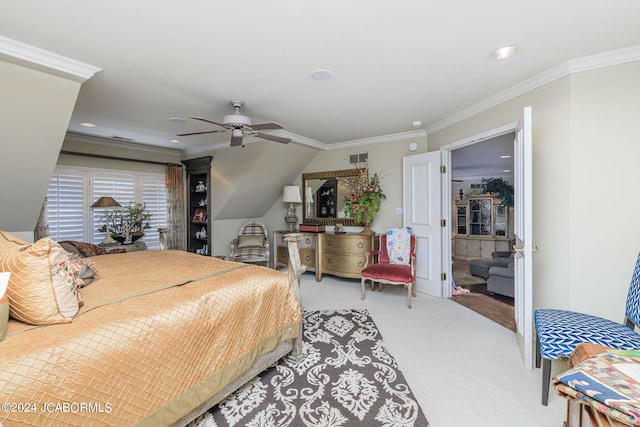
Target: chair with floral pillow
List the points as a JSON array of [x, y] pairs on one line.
[[396, 262], [252, 244]]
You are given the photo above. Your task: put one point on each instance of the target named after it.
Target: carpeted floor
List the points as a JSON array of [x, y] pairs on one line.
[[348, 378], [496, 307]]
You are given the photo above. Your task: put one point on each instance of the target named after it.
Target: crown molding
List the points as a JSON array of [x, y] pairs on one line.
[[586, 63], [378, 139], [77, 137], [18, 53]]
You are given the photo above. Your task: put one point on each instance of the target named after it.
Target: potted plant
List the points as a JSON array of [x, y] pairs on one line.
[[499, 188], [127, 223]]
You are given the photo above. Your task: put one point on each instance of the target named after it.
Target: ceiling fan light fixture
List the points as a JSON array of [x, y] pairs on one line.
[[236, 120], [503, 52], [237, 133]]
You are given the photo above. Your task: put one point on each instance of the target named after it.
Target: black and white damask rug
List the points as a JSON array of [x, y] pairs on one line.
[[347, 378]]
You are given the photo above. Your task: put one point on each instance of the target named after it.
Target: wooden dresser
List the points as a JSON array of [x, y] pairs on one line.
[[307, 247], [339, 254], [342, 254]]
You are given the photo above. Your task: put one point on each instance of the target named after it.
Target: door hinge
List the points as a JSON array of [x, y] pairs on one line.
[[443, 169], [443, 276], [443, 223]]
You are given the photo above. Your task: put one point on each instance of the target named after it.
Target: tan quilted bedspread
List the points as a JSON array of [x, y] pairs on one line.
[[135, 351]]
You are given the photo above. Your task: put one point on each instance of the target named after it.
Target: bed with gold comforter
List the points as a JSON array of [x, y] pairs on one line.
[[162, 335]]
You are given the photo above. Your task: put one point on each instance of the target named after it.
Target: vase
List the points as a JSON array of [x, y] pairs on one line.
[[367, 230]]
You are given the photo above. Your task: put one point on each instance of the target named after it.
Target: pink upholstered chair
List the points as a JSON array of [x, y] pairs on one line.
[[396, 262]]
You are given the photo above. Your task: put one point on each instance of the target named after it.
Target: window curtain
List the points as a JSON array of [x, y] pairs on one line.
[[175, 236], [42, 226]]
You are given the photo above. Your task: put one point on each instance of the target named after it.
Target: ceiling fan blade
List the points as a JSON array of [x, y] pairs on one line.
[[199, 133], [202, 119], [267, 126], [273, 138], [236, 139]]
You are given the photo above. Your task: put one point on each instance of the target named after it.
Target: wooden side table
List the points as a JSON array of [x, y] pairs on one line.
[[598, 419]]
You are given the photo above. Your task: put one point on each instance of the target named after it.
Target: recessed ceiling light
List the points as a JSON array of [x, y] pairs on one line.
[[177, 120], [505, 156], [321, 74], [503, 52], [416, 124], [88, 125], [175, 141], [506, 170]]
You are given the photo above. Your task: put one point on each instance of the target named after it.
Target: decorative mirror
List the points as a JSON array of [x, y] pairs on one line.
[[323, 197]]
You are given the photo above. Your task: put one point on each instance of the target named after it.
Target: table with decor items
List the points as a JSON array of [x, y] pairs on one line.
[[604, 383], [132, 247]]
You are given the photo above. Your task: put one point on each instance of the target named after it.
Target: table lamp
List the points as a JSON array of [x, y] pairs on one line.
[[106, 203], [291, 195]]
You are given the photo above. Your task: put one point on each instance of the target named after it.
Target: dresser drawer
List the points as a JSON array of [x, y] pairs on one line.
[[307, 241], [342, 265], [306, 249], [308, 258], [347, 244]]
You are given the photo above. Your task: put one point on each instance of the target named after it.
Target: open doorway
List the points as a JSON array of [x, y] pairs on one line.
[[482, 230]]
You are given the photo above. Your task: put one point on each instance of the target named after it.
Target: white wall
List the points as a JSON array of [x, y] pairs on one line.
[[585, 151]]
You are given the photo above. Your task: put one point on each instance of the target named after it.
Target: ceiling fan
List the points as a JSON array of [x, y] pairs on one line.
[[240, 126]]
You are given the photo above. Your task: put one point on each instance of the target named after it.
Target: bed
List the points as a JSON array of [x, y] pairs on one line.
[[161, 337]]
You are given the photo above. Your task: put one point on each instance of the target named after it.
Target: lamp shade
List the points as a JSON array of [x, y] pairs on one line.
[[291, 194], [105, 202]]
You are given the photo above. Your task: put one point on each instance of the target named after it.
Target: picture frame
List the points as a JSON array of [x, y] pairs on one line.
[[200, 215]]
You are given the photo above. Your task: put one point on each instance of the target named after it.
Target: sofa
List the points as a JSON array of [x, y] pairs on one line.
[[501, 281], [480, 267]]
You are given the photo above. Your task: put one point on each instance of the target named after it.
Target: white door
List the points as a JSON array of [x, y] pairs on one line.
[[423, 212], [523, 233]]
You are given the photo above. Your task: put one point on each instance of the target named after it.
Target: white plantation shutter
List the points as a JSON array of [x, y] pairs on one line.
[[73, 190], [65, 208]]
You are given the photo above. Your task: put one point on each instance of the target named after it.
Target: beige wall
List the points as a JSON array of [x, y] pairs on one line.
[[35, 108], [384, 157], [584, 150], [154, 155]]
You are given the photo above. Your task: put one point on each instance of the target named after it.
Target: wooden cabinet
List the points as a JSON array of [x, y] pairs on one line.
[[198, 202], [307, 248], [482, 227], [343, 254]]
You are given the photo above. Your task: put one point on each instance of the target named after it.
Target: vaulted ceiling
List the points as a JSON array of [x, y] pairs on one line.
[[392, 63]]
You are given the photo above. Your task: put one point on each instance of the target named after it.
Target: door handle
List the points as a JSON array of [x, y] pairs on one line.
[[535, 249]]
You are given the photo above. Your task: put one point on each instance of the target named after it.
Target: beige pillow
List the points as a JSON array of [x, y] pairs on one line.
[[9, 244], [42, 289], [4, 303], [249, 241]]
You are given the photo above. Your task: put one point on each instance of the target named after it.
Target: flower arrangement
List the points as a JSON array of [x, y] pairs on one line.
[[363, 201]]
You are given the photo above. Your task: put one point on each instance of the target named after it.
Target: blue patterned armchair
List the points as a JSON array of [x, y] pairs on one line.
[[558, 332]]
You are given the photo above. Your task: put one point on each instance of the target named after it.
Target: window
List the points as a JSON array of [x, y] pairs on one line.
[[72, 191]]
